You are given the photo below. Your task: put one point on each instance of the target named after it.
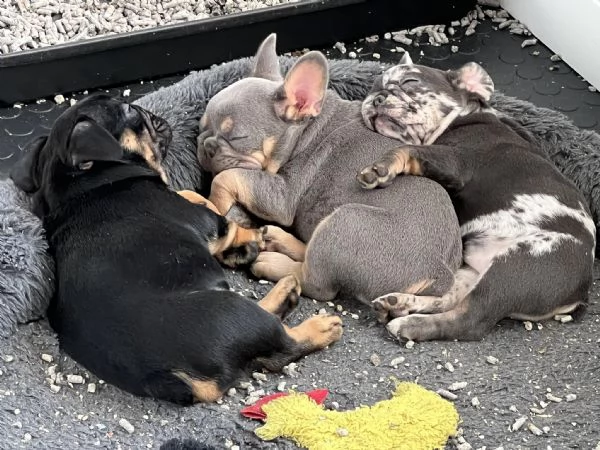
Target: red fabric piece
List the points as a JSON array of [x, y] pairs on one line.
[[255, 411]]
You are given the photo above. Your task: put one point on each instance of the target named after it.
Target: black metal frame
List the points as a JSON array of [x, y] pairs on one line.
[[167, 50]]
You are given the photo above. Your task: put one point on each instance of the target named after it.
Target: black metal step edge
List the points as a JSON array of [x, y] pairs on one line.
[[168, 50]]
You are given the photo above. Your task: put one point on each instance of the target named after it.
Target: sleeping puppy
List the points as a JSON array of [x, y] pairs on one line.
[[527, 233], [141, 300]]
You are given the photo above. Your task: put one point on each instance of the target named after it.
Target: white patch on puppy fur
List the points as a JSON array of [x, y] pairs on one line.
[[502, 232]]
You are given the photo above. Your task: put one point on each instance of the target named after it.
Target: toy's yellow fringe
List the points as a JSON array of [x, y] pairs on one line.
[[413, 419]]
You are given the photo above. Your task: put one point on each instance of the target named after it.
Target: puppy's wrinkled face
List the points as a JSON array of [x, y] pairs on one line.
[[412, 103], [240, 128], [252, 124], [99, 128]]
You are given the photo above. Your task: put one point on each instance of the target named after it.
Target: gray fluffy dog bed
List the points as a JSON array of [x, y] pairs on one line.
[[75, 417]]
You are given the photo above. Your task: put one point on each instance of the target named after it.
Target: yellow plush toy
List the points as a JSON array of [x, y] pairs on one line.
[[413, 419]]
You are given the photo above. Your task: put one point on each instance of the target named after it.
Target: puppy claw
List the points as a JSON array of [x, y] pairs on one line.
[[378, 175], [391, 306], [327, 329], [401, 329]]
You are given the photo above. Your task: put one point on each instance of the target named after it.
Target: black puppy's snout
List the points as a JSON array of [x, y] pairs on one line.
[[379, 100]]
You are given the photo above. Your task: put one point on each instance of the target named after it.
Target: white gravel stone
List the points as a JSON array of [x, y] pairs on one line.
[[570, 397], [397, 361], [535, 430], [409, 344], [492, 360], [449, 367], [47, 358], [74, 379], [518, 424], [126, 425], [457, 386], [36, 25], [553, 398], [259, 376], [91, 388], [446, 394]]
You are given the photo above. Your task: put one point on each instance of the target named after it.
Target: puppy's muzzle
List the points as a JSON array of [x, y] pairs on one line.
[[215, 155], [158, 128]]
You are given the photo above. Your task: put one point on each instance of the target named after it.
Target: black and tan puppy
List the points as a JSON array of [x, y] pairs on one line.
[[527, 233], [141, 301]]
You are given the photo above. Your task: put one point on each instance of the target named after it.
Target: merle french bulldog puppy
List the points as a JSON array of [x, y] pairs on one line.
[[287, 150], [527, 232]]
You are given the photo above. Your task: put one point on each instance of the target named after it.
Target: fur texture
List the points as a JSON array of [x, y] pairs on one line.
[[26, 270], [26, 288]]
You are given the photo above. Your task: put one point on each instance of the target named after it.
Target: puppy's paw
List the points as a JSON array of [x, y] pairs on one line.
[[323, 330], [291, 285], [415, 327], [393, 305], [242, 255], [403, 328], [274, 266], [377, 175], [271, 236]]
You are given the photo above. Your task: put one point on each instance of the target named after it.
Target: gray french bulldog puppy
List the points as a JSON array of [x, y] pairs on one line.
[[288, 150]]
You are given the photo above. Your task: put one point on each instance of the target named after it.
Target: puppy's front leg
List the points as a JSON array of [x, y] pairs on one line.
[[265, 195], [197, 199], [437, 162]]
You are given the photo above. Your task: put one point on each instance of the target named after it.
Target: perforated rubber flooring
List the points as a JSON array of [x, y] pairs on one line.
[[526, 73]]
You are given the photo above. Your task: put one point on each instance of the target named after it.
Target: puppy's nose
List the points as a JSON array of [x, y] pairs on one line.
[[379, 100], [211, 145]]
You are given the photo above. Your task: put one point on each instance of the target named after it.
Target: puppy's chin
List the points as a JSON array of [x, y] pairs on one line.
[[368, 114], [387, 126], [221, 162]]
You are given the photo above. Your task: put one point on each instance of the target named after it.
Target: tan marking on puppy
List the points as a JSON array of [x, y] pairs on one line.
[[265, 155], [275, 301], [203, 390], [418, 287], [236, 237], [197, 199], [280, 241], [204, 122], [227, 188], [142, 145], [404, 162], [226, 125], [317, 332], [274, 266]]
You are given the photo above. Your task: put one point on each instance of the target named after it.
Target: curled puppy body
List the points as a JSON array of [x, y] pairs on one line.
[[141, 300], [287, 150], [527, 232]]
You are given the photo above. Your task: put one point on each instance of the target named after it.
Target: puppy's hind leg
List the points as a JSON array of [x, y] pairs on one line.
[[312, 335], [398, 304], [197, 199], [283, 298]]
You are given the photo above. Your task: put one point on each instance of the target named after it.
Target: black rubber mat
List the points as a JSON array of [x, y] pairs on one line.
[[527, 73]]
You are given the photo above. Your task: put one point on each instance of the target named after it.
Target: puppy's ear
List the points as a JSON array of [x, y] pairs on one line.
[[25, 173], [406, 59], [266, 61], [473, 79], [90, 142], [304, 88]]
